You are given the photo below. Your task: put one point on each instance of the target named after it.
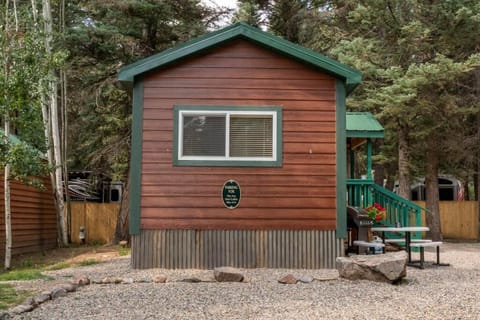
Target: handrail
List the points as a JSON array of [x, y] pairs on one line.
[[363, 193], [399, 209]]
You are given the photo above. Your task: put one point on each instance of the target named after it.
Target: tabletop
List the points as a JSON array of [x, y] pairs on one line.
[[400, 229]]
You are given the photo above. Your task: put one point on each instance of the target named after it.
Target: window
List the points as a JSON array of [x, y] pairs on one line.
[[228, 136]]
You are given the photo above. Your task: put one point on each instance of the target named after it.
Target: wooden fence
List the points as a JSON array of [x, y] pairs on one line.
[[459, 219], [34, 224], [99, 220]]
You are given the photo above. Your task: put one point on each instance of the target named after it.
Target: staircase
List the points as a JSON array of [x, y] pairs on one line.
[[363, 193]]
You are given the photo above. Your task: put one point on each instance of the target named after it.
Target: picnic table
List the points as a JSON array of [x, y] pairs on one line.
[[413, 243]]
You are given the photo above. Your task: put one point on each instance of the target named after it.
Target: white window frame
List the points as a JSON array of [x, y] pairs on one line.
[[227, 113]]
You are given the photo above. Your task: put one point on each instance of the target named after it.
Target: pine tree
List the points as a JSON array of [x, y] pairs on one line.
[[415, 57]]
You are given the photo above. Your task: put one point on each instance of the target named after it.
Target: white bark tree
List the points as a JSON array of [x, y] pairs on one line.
[[52, 126], [6, 119]]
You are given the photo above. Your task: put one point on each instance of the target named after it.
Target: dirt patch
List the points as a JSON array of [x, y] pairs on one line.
[[98, 254], [71, 255]]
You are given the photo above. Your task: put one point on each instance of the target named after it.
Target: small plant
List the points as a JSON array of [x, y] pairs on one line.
[[88, 262], [123, 251], [376, 212], [9, 296], [27, 263], [96, 243]]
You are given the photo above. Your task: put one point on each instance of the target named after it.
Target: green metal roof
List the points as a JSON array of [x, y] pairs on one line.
[[16, 140], [241, 30], [13, 138], [363, 125]]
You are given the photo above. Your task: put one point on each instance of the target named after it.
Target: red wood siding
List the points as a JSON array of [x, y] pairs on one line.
[[34, 225], [299, 195]]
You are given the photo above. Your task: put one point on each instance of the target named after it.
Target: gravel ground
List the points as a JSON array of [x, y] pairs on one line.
[[433, 293]]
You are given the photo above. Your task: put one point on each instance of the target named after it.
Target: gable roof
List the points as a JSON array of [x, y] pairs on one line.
[[240, 30], [363, 125]]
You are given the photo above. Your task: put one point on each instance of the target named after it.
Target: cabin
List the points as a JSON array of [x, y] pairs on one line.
[[33, 216], [239, 154]]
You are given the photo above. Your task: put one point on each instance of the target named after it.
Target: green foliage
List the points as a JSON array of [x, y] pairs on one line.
[[23, 71], [124, 251], [417, 61], [248, 12], [10, 297], [23, 274], [100, 38]]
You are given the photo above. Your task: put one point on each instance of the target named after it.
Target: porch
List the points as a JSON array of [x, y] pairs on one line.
[[362, 128]]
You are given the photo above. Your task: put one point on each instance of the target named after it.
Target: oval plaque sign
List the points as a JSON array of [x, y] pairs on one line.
[[231, 194]]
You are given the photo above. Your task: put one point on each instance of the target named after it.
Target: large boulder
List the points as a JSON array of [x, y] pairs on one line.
[[389, 267]]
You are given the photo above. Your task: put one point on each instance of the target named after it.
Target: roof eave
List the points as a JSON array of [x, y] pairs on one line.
[[365, 134], [240, 30]]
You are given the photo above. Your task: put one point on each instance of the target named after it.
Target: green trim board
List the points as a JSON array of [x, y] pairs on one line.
[[350, 76], [341, 163], [136, 157], [363, 125], [237, 163], [369, 159]]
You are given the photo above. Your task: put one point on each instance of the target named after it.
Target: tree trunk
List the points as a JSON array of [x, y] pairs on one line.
[[403, 164], [6, 177], [8, 211], [476, 180], [431, 192], [57, 155], [476, 176], [121, 230]]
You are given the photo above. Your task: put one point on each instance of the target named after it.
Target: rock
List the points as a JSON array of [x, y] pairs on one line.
[[58, 292], [81, 280], [105, 280], [69, 287], [30, 302], [288, 279], [191, 280], [127, 281], [21, 309], [227, 274], [111, 280], [306, 279], [160, 278], [123, 243], [389, 267], [5, 315], [42, 297]]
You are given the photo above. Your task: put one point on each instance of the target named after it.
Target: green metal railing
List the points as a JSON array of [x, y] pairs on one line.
[[363, 193]]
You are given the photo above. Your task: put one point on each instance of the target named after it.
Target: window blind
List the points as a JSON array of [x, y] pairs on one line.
[[251, 136]]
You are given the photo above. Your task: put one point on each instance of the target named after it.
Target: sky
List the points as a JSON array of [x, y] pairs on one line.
[[223, 3]]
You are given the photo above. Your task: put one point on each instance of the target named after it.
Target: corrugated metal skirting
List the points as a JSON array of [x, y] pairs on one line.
[[207, 249]]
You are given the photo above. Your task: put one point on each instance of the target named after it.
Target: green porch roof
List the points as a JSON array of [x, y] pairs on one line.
[[363, 125], [240, 30]]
